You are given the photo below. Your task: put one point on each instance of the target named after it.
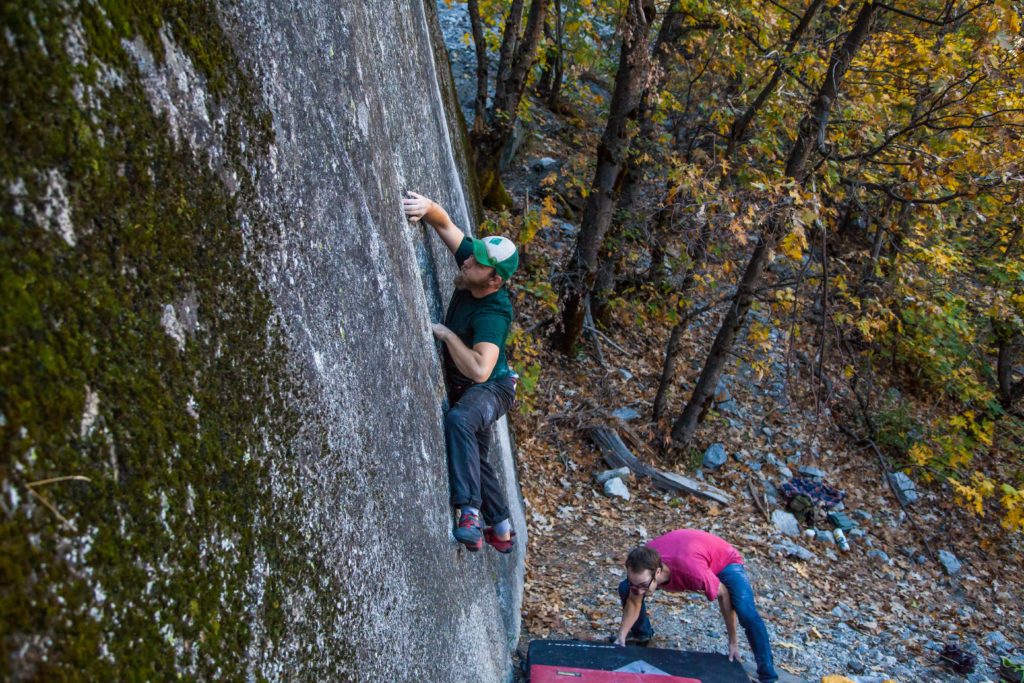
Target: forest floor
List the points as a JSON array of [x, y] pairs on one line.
[[882, 610]]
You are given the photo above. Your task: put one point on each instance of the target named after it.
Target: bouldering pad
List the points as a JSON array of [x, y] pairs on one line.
[[588, 659], [561, 674]]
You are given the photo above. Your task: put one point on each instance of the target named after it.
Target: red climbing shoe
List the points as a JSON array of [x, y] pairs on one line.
[[503, 547], [468, 532]]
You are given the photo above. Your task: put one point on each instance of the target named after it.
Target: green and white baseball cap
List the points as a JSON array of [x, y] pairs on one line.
[[498, 253]]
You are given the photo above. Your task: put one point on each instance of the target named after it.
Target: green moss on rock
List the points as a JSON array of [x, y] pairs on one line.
[[149, 580]]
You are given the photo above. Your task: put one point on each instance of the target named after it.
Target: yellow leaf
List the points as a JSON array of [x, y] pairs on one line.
[[794, 243]]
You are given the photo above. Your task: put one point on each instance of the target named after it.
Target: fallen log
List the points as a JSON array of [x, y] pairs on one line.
[[617, 454]]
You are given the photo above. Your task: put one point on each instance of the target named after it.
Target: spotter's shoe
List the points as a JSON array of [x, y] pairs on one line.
[[503, 547], [468, 532]]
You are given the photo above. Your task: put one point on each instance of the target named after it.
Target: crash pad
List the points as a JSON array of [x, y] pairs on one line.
[[589, 659], [561, 674]]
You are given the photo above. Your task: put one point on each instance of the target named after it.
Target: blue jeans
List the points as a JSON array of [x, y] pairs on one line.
[[472, 476], [734, 578]]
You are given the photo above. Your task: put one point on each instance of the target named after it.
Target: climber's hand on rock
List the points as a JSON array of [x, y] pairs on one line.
[[440, 331], [415, 206]]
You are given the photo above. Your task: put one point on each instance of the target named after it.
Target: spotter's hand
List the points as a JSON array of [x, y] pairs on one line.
[[415, 206], [734, 652]]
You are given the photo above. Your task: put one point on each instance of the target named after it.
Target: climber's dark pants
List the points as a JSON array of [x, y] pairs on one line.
[[467, 426]]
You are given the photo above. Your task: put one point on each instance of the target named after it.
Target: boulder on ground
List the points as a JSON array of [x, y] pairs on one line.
[[790, 549], [616, 487], [715, 456], [785, 522], [949, 562], [904, 487]]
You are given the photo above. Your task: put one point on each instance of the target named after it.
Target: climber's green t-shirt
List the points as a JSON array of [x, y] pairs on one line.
[[477, 320]]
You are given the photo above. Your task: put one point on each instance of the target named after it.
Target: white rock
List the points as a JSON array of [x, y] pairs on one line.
[[616, 487]]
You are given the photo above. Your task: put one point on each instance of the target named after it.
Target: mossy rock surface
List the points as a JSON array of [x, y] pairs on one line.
[[220, 401], [138, 351]]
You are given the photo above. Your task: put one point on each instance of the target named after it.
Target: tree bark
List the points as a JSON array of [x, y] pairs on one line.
[[551, 80], [634, 67], [1010, 392], [480, 106], [516, 56], [743, 121], [668, 35], [810, 136]]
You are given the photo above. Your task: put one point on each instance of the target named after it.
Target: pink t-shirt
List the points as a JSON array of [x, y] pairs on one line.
[[694, 558]]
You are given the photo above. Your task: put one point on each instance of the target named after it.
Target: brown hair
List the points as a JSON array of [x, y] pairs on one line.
[[643, 558]]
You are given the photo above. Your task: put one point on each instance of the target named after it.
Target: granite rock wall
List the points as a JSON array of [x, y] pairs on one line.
[[221, 420]]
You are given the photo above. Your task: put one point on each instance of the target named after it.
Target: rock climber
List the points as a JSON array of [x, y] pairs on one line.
[[696, 561], [481, 386]]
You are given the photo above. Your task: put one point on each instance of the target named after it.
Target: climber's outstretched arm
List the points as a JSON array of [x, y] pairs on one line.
[[417, 207]]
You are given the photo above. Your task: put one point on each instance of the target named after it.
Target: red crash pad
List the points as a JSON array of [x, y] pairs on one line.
[[568, 674]]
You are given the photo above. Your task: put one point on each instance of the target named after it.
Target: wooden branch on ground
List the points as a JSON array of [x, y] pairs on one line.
[[594, 330], [760, 504], [617, 454]]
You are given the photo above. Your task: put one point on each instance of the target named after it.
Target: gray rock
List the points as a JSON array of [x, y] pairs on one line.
[[544, 164], [949, 562], [861, 515], [825, 536], [996, 640], [879, 555], [785, 522], [856, 666], [625, 414], [616, 487], [785, 472], [856, 532], [754, 465], [905, 488], [790, 549], [812, 472], [621, 473], [715, 456], [625, 374], [730, 406]]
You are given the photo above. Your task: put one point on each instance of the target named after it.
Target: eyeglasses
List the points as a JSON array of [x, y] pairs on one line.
[[641, 588]]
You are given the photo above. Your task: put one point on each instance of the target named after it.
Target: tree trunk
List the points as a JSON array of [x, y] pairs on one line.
[[506, 53], [1010, 392], [480, 106], [684, 427], [743, 121], [515, 59], [668, 35], [696, 251], [558, 71], [810, 136], [634, 66], [668, 370]]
